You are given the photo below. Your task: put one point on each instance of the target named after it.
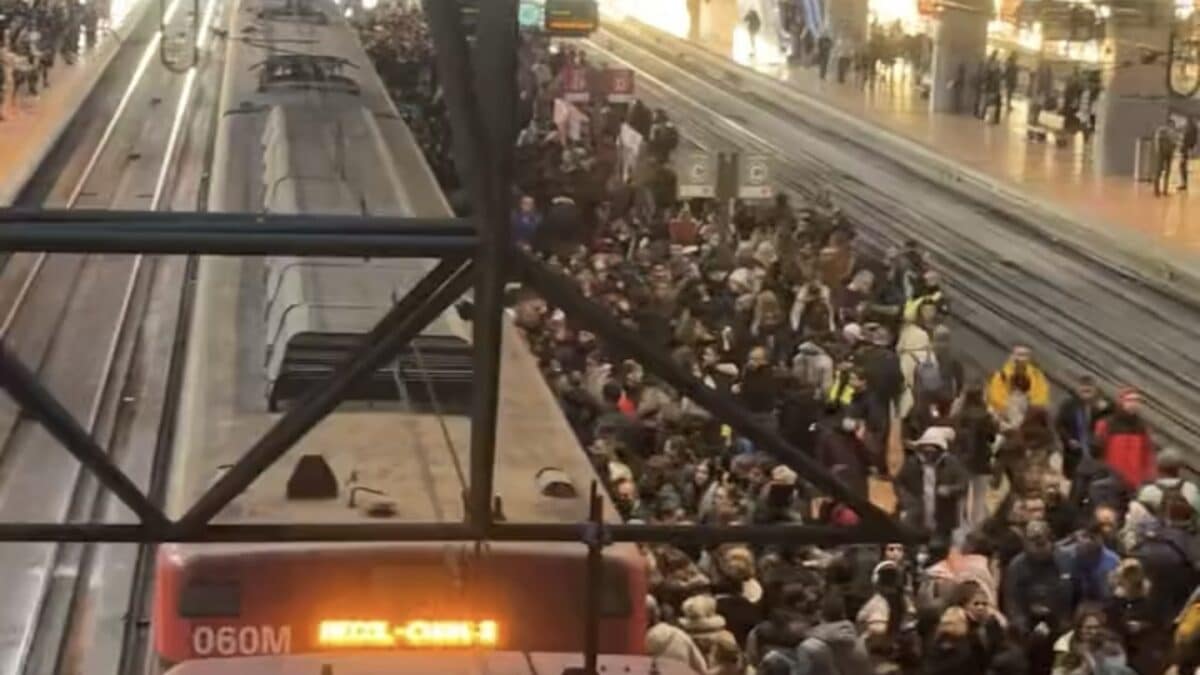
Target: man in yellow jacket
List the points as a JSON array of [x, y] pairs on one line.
[[999, 387]]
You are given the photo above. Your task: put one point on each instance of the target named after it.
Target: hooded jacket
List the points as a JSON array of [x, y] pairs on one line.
[[910, 488], [836, 648]]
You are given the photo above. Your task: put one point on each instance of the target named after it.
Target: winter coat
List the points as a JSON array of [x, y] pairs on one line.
[[1029, 582], [910, 491], [975, 435], [1090, 581], [836, 649], [1095, 484], [885, 382], [1125, 445], [665, 641], [997, 389], [1167, 554], [949, 656], [1076, 421]]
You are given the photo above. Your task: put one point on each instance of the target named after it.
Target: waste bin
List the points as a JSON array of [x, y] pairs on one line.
[[1145, 161]]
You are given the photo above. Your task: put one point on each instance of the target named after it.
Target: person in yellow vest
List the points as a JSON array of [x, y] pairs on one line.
[[1021, 362]]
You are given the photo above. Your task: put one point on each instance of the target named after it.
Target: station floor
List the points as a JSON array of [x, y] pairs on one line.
[[31, 124], [1060, 176]]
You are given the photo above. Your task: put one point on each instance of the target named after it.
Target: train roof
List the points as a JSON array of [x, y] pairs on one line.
[[304, 148], [441, 662]]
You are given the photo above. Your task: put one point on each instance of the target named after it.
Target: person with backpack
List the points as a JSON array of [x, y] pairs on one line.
[[1173, 498]]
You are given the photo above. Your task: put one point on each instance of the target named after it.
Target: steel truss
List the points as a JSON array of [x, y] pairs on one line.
[[474, 254]]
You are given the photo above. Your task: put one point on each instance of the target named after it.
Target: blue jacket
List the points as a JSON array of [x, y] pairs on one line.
[[1090, 583]]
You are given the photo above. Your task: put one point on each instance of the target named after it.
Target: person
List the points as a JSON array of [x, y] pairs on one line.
[[525, 221], [1165, 144], [975, 435], [1036, 588], [1088, 646], [824, 52], [1012, 73], [1091, 565], [1020, 362], [1076, 418], [753, 24], [1173, 498], [1187, 145], [931, 485], [1123, 441]]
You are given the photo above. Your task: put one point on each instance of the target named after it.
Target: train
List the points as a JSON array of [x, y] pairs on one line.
[[306, 127]]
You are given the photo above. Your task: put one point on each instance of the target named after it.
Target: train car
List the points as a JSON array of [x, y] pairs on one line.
[[441, 663], [306, 127]]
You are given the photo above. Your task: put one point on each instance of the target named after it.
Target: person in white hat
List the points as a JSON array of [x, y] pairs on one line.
[[932, 483]]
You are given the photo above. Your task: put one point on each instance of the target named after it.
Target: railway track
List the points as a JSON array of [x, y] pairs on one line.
[[79, 322], [1010, 285]]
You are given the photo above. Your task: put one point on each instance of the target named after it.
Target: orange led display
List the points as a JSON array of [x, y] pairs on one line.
[[418, 633]]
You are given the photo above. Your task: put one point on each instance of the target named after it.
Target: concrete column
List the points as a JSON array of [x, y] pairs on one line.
[[1134, 102], [960, 39], [847, 20], [716, 22]]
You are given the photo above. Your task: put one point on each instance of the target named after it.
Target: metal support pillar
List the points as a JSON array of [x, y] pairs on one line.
[[41, 405], [595, 580], [484, 156], [442, 286], [561, 293]]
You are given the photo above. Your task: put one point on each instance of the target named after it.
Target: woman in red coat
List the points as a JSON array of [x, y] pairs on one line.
[[1124, 442]]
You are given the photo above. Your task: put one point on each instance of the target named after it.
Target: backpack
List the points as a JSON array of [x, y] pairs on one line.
[[1174, 507], [927, 377]]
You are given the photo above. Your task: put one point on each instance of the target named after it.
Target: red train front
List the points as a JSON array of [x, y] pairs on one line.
[[225, 601]]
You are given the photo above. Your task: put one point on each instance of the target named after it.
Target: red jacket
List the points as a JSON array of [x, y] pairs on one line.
[[1127, 448]]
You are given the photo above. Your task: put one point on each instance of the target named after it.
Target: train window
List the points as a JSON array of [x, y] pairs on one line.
[[555, 483], [209, 599]]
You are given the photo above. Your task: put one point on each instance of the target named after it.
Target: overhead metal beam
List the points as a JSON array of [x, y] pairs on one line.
[[41, 405], [483, 154], [53, 238], [562, 293], [425, 301], [705, 535], [210, 221]]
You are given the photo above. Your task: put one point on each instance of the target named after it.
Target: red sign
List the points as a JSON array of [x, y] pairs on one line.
[[575, 84], [619, 85]]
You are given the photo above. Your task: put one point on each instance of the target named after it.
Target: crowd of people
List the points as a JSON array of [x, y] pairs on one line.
[[1062, 537], [32, 37]]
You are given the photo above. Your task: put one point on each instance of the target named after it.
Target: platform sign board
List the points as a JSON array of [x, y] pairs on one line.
[[575, 87], [754, 178], [696, 175], [619, 85]]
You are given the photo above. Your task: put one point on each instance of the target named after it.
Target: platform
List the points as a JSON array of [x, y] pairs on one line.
[[1118, 219], [33, 124]]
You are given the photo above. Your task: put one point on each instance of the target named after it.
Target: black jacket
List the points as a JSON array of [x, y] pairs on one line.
[[910, 487], [975, 432], [1030, 583]]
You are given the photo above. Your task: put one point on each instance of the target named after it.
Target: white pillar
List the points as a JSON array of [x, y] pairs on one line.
[[1134, 102], [960, 39]]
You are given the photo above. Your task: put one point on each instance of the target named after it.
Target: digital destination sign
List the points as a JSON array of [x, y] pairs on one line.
[[411, 634]]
